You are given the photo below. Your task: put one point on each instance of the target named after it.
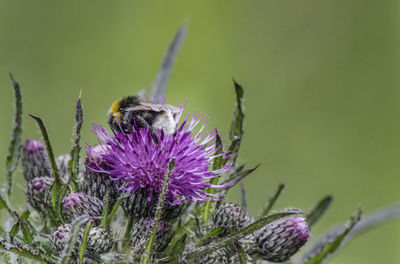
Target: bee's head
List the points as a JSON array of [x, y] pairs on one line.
[[120, 105]]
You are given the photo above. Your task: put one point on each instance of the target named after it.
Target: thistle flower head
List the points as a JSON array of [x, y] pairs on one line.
[[38, 192], [281, 239], [137, 162], [77, 204], [99, 241], [141, 232], [96, 183], [231, 217], [137, 205], [35, 162]]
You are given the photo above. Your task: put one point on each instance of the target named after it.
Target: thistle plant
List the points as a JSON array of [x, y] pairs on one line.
[[133, 199]]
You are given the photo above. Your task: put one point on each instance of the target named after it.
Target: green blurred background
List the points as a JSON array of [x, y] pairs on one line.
[[321, 84]]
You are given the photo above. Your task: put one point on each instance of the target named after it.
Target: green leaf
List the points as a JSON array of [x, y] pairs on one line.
[[213, 233], [236, 132], [315, 214], [14, 150], [128, 229], [217, 164], [25, 252], [73, 165], [375, 219], [331, 242], [26, 232], [243, 203], [369, 222], [84, 241], [203, 250], [25, 215], [177, 249], [49, 148], [238, 176], [273, 199], [241, 254], [15, 229], [145, 259], [114, 210], [160, 84], [57, 190], [180, 232]]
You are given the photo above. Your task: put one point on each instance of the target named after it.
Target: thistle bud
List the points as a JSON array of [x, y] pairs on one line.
[[77, 204], [141, 232], [35, 162], [99, 241], [235, 259], [224, 255], [138, 205], [281, 239], [231, 217], [95, 183], [38, 193]]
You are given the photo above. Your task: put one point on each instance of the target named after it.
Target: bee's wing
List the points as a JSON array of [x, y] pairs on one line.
[[154, 107]]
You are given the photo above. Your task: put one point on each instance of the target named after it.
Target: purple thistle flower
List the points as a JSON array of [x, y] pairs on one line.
[[136, 161]]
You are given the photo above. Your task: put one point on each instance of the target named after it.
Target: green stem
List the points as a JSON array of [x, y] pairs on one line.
[[160, 205], [128, 231]]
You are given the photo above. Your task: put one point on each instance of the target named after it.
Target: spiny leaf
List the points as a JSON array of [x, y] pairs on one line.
[[236, 132], [330, 242], [315, 214], [49, 148], [57, 190], [25, 252], [160, 205], [14, 150], [73, 165], [238, 176], [160, 84], [375, 219], [273, 199], [84, 241], [236, 236], [217, 164]]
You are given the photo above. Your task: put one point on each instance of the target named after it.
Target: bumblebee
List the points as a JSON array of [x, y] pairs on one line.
[[132, 111]]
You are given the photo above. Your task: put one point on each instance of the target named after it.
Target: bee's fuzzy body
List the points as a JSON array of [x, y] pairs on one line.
[[132, 111]]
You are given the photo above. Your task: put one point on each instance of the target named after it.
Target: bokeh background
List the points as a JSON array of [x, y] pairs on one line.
[[320, 77]]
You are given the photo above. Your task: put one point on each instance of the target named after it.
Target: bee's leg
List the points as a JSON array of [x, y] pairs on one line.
[[112, 125], [140, 122]]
